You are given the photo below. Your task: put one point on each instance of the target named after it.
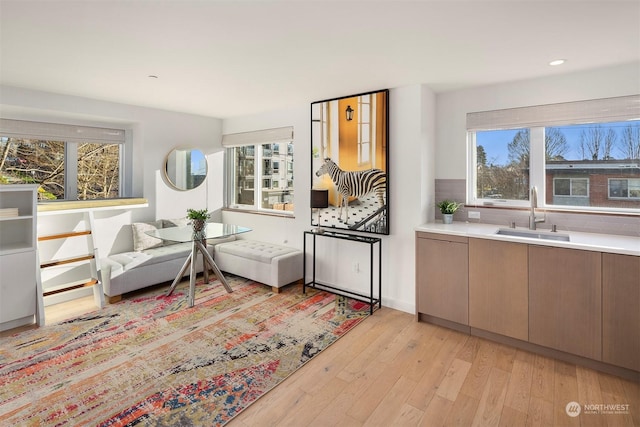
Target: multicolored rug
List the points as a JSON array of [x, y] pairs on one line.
[[153, 360]]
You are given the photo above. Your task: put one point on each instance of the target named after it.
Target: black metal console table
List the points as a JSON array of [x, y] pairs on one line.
[[371, 241]]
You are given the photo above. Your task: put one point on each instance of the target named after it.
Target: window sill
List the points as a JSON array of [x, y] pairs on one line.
[[265, 213], [557, 209], [90, 205]]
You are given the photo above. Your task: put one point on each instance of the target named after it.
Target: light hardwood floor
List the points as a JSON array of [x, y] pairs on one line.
[[393, 371]]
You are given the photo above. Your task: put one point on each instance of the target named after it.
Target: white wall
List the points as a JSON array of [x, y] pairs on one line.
[[278, 229], [411, 177], [452, 107]]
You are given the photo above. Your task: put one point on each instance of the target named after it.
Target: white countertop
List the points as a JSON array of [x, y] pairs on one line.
[[625, 245]]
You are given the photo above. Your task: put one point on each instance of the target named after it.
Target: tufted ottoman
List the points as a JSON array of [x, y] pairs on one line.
[[266, 263]]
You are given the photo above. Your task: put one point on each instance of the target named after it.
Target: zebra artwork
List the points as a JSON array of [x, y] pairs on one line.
[[354, 184]]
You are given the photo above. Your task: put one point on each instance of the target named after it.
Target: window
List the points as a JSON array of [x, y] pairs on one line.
[[624, 188], [574, 187], [579, 159], [69, 162], [502, 168], [260, 175], [364, 130]]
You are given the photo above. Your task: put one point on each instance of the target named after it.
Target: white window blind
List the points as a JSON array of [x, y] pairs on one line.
[[59, 132], [265, 136], [567, 113]]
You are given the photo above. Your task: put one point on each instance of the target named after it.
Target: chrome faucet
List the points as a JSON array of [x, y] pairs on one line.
[[534, 204]]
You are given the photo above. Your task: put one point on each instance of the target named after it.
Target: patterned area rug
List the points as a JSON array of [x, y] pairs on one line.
[[153, 360]]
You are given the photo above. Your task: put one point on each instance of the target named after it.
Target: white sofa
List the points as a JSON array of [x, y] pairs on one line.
[[148, 262], [267, 263]]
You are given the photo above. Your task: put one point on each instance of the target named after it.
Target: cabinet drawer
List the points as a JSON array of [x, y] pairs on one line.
[[443, 237]]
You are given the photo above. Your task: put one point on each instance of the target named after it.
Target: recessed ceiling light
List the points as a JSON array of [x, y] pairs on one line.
[[557, 62], [151, 76]]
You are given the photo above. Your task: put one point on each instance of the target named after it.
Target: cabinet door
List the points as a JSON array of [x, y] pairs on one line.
[[621, 310], [565, 300], [498, 287], [442, 274], [17, 286]]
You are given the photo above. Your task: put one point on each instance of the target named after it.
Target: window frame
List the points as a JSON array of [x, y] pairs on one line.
[[621, 179], [570, 179], [259, 177], [536, 119], [68, 135]]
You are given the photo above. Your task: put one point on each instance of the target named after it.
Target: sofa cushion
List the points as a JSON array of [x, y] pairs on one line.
[[257, 251], [128, 260], [141, 240]]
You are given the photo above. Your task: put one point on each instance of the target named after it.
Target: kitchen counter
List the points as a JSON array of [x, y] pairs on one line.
[[611, 243]]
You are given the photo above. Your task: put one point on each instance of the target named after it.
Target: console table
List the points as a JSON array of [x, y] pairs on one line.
[[371, 241]]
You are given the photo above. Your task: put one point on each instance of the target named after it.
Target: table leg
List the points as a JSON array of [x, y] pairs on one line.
[[214, 267], [180, 275], [205, 270], [192, 274]]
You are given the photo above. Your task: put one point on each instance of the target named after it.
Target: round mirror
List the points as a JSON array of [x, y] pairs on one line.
[[185, 168]]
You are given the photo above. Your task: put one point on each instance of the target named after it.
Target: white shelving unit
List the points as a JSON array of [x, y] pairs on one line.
[[20, 299]]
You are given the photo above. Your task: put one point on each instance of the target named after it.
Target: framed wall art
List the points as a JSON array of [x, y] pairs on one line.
[[350, 160]]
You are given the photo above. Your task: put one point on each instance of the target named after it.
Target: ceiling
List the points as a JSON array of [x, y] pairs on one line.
[[232, 58]]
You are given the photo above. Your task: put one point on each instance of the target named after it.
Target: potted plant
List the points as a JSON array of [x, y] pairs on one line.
[[447, 209], [198, 218]]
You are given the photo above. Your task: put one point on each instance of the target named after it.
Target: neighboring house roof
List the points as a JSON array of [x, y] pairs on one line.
[[609, 165]]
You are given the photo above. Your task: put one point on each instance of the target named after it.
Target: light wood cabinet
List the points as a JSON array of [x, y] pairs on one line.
[[621, 310], [565, 300], [18, 264], [498, 287], [442, 274]]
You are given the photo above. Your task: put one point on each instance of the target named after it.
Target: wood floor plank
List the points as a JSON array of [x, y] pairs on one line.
[[588, 393], [540, 412], [613, 391], [565, 390], [511, 417], [632, 391], [543, 378], [462, 412], [485, 359], [450, 385], [519, 388], [409, 416], [376, 344], [492, 399], [470, 349], [310, 406], [437, 411], [437, 362], [505, 356], [391, 405], [348, 397]]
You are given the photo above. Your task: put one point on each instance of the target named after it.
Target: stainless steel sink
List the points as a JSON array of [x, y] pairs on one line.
[[533, 234]]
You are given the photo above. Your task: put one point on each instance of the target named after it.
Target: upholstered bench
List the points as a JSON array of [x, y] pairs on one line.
[[273, 265]]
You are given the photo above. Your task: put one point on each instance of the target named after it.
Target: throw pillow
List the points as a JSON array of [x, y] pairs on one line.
[[142, 240], [177, 222]]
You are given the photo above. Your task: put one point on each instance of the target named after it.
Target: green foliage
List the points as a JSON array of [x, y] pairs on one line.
[[448, 206], [198, 214]]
